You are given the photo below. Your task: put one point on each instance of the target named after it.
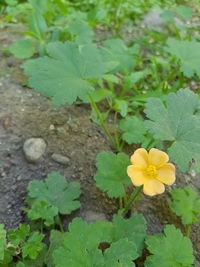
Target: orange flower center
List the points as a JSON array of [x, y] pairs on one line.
[[151, 172]]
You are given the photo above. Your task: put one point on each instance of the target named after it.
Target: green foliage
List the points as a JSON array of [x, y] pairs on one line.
[[169, 249], [18, 236], [134, 229], [44, 211], [133, 129], [184, 12], [119, 57], [33, 246], [82, 244], [82, 31], [2, 241], [177, 123], [97, 95], [30, 243], [52, 196], [120, 253], [186, 203], [188, 52], [111, 174], [64, 74], [23, 48], [56, 240], [121, 106]]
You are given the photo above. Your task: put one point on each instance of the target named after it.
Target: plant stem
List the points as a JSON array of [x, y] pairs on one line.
[[116, 133], [132, 199], [98, 113], [60, 224], [120, 203], [125, 199], [168, 146], [188, 229]]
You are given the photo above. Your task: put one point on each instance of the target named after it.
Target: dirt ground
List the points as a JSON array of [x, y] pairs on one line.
[[67, 131]]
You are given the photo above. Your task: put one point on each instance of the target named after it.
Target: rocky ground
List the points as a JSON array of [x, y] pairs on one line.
[[70, 145]]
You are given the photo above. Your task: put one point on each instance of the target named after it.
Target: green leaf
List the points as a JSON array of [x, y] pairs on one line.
[[120, 253], [23, 48], [42, 210], [56, 240], [186, 203], [169, 249], [133, 228], [63, 74], [188, 52], [184, 11], [80, 245], [18, 236], [98, 95], [118, 56], [37, 25], [56, 192], [134, 130], [111, 174], [33, 246], [137, 76], [121, 106], [2, 241], [177, 123], [82, 31], [39, 261]]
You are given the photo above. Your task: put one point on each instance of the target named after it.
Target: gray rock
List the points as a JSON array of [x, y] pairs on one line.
[[93, 216], [60, 159], [152, 20], [34, 149]]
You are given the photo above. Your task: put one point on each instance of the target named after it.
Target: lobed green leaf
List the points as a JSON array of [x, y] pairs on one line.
[[111, 173], [169, 249], [186, 203]]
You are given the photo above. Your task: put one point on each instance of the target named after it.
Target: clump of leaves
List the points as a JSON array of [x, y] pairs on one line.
[[82, 245], [23, 48], [119, 57], [133, 129], [185, 203], [20, 243], [66, 72], [2, 241], [50, 197], [177, 123], [111, 174], [169, 249], [188, 53]]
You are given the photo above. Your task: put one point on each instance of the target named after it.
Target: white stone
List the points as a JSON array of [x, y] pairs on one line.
[[34, 149]]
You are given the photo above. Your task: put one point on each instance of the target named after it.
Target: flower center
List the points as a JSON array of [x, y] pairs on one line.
[[151, 171]]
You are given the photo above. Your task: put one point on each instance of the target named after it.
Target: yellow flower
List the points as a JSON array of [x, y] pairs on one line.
[[151, 170]]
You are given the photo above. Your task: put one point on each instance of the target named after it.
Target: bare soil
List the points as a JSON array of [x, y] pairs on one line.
[[67, 131]]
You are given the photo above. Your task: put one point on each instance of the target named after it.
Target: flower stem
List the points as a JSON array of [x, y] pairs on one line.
[[60, 224], [120, 203], [188, 229], [99, 115], [132, 199]]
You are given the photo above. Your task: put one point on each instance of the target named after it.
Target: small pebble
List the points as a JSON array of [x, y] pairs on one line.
[[60, 159], [34, 149], [93, 216]]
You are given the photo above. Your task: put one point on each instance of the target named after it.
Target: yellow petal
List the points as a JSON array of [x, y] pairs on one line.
[[140, 157], [166, 174], [137, 175], [157, 157], [153, 187]]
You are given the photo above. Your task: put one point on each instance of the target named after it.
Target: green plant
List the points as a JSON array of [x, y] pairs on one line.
[[186, 203], [47, 199]]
